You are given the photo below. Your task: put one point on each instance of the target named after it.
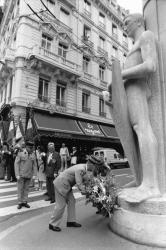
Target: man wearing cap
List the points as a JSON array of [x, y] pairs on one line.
[[53, 164], [25, 169], [77, 174]]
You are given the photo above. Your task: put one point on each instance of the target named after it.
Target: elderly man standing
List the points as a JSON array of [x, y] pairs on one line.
[[76, 174], [25, 169], [53, 164]]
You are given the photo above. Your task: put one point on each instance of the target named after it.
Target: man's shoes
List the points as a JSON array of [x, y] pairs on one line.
[[73, 224], [98, 212], [48, 199], [56, 229], [26, 205], [19, 206], [52, 201]]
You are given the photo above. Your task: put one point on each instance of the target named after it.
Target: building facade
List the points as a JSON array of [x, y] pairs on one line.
[[55, 59]]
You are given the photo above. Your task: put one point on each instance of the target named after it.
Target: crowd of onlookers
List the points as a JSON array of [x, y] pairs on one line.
[[31, 167]]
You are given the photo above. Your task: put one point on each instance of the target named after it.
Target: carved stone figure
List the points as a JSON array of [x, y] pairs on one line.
[[139, 67]]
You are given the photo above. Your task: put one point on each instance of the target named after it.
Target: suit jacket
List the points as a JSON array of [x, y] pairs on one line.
[[76, 174], [53, 165]]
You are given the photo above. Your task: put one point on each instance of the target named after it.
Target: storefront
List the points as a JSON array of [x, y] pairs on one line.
[[72, 131]]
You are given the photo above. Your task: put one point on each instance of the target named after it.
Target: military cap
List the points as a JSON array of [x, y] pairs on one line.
[[96, 160]]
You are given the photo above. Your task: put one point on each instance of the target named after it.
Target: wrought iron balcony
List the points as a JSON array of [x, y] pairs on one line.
[[125, 44], [102, 51], [86, 40], [85, 109], [103, 114], [115, 36], [61, 103], [101, 25], [43, 98], [87, 13]]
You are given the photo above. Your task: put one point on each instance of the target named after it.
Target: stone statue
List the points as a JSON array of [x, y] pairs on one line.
[[139, 67]]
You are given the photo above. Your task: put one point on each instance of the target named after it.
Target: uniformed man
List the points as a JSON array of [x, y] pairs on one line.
[[25, 169], [63, 184]]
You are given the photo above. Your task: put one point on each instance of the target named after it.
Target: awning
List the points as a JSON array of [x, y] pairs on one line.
[[109, 131], [91, 129], [56, 124]]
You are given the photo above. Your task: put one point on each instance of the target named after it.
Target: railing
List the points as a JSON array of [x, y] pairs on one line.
[[125, 44], [103, 114], [87, 41], [59, 59], [102, 51], [85, 109], [87, 76], [43, 98], [102, 25], [61, 103], [115, 36], [86, 12]]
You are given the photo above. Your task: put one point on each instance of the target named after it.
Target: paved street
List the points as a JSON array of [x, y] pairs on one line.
[[28, 228]]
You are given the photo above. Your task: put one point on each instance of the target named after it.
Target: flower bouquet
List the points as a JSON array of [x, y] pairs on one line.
[[102, 192]]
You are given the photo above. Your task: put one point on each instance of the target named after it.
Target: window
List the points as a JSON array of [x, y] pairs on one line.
[[86, 61], [87, 7], [60, 95], [125, 42], [62, 50], [114, 31], [43, 90], [87, 32], [65, 16], [86, 102], [46, 42], [101, 20], [114, 52], [101, 42], [101, 72], [101, 107]]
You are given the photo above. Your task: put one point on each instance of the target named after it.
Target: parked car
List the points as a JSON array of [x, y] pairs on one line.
[[112, 157]]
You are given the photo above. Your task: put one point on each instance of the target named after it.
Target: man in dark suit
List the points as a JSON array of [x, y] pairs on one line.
[[77, 174], [53, 164]]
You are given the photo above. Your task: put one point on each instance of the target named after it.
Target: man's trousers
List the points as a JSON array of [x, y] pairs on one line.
[[23, 189], [50, 187], [59, 209]]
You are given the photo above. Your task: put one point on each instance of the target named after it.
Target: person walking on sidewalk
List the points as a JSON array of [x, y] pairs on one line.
[[77, 174], [25, 169], [53, 164], [64, 153]]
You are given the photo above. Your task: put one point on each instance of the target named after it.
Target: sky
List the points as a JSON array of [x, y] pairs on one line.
[[134, 6]]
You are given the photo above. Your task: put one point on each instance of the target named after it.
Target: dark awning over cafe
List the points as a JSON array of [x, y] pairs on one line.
[[57, 124], [109, 131]]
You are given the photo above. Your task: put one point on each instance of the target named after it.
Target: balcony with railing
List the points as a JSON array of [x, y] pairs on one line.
[[103, 114], [60, 103], [87, 13], [86, 41], [86, 110], [49, 57], [43, 98], [102, 51], [125, 44], [102, 25], [115, 36]]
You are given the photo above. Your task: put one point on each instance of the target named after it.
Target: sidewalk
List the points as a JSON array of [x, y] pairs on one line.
[[94, 234]]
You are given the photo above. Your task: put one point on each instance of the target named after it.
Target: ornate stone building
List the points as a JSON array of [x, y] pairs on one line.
[[55, 57]]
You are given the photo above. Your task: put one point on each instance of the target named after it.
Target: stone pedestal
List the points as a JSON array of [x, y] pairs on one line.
[[145, 223]]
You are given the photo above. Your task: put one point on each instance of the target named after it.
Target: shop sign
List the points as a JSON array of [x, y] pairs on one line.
[[91, 129]]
